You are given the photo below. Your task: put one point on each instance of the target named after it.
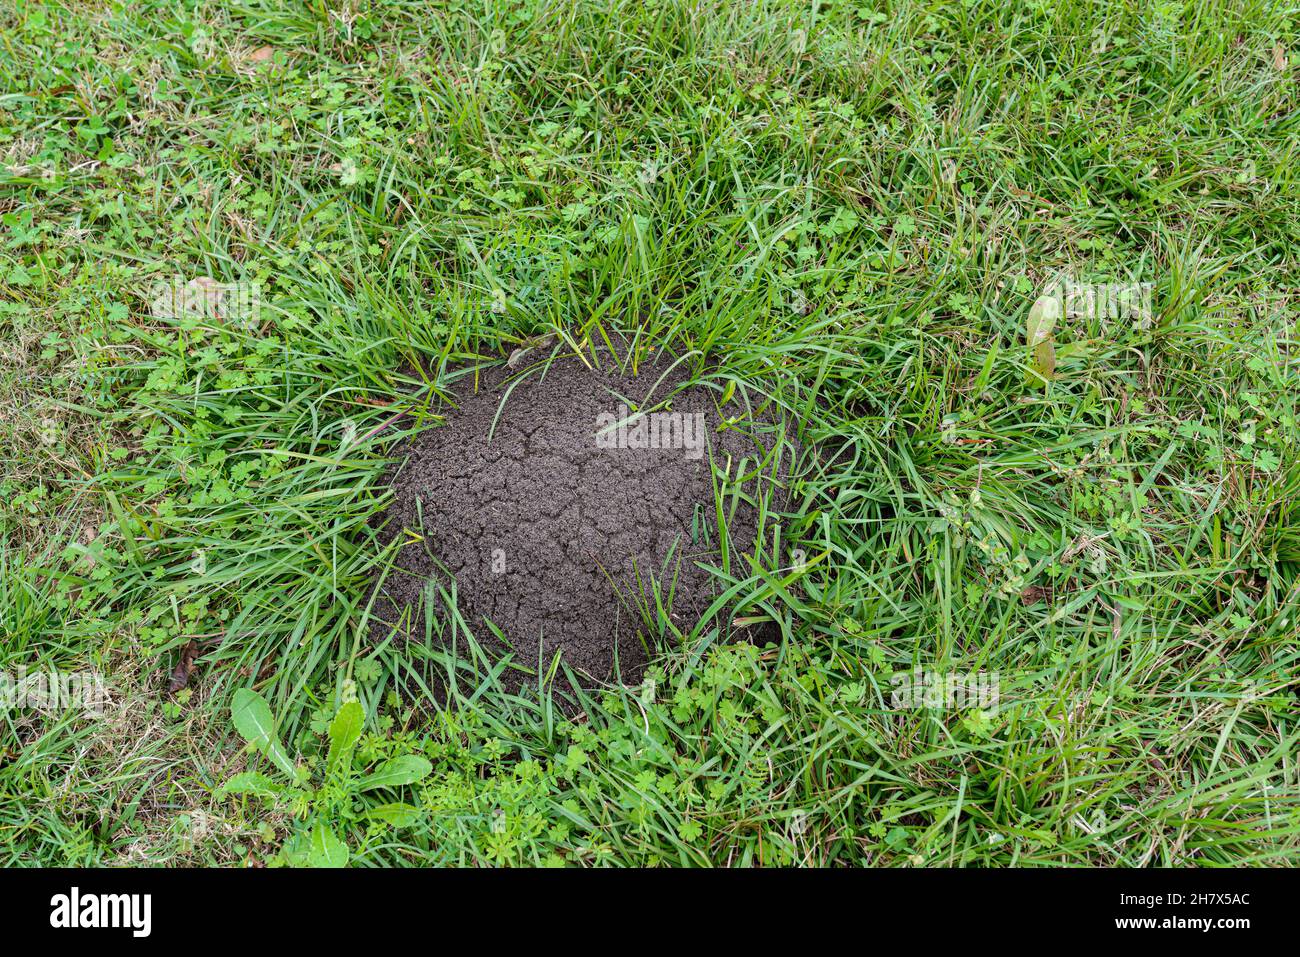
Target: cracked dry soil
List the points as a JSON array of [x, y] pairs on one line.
[[545, 530]]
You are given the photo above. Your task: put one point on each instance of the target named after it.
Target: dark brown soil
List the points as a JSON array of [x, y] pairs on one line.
[[546, 531]]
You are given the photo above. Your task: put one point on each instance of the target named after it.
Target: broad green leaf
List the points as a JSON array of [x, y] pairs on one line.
[[325, 849], [251, 782], [396, 814], [252, 717], [406, 769], [345, 729], [294, 850], [280, 758]]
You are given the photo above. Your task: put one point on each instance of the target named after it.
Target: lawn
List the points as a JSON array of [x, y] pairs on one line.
[[1088, 504]]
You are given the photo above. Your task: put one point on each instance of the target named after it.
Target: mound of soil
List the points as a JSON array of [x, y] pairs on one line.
[[554, 506]]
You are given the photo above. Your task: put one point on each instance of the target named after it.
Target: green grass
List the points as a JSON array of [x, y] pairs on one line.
[[853, 205]]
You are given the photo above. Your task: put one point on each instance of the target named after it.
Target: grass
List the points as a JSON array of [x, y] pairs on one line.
[[853, 204]]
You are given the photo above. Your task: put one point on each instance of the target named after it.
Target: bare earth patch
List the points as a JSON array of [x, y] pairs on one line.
[[555, 508]]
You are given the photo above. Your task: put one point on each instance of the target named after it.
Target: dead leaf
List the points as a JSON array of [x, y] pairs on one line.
[[1034, 594], [261, 54], [184, 668], [1043, 315], [1044, 361], [1279, 57], [537, 342]]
